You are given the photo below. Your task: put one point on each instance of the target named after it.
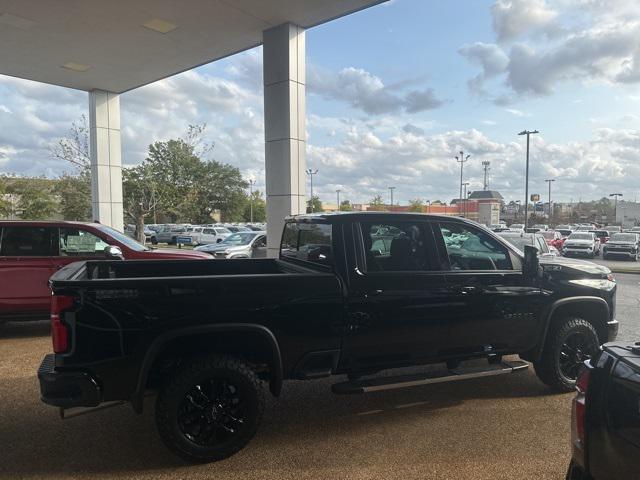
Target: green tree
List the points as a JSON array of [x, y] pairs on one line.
[[377, 204], [5, 204], [139, 196], [188, 188], [416, 205], [259, 208], [345, 206], [36, 198], [314, 205], [74, 192]]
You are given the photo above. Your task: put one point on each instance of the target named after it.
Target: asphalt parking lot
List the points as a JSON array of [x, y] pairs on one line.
[[497, 428]]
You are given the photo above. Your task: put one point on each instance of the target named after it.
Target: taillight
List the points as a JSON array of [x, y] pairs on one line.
[[59, 331], [580, 406]]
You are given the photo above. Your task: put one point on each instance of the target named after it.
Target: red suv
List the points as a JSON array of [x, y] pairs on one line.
[[30, 252]]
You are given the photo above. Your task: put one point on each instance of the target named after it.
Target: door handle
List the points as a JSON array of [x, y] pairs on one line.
[[373, 293], [468, 290]]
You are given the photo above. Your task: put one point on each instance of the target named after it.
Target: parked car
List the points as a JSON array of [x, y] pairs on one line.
[[205, 334], [564, 232], [602, 236], [517, 226], [623, 245], [498, 227], [237, 228], [605, 416], [580, 243], [520, 240], [207, 235], [614, 229], [149, 235], [30, 252], [553, 238], [541, 227], [239, 245], [169, 234]]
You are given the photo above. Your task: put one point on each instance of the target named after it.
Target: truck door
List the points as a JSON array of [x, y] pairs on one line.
[[492, 307], [26, 263], [396, 307]]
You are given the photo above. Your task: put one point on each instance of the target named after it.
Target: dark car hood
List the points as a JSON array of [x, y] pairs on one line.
[[580, 268]]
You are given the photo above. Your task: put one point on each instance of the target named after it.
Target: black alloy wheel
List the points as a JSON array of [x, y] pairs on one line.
[[212, 412], [577, 347], [210, 409]]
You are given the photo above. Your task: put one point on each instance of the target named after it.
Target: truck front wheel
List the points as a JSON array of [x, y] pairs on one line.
[[569, 343], [210, 409]]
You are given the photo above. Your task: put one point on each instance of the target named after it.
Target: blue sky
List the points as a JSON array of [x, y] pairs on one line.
[[394, 92]]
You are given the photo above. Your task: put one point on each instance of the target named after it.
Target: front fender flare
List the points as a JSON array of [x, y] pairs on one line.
[[275, 383], [547, 315]]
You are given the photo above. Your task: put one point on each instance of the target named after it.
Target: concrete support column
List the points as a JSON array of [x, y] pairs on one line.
[[106, 158], [284, 127]]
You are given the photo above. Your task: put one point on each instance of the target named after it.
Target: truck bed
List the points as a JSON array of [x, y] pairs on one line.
[[95, 272]]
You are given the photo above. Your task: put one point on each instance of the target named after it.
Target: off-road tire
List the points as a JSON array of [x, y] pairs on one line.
[[196, 372], [548, 367]]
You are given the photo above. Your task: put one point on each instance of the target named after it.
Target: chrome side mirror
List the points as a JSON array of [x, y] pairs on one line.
[[113, 252]]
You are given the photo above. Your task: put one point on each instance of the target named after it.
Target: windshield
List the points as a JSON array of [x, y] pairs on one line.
[[581, 236], [549, 235], [222, 230], [243, 238], [122, 238], [519, 241], [623, 237]]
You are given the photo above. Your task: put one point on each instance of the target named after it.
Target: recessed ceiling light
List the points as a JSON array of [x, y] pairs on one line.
[[15, 21], [76, 67], [160, 26]]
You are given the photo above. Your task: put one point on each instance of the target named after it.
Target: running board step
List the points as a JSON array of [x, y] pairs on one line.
[[403, 381]]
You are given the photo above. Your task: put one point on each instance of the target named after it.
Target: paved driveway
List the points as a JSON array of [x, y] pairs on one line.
[[498, 428]]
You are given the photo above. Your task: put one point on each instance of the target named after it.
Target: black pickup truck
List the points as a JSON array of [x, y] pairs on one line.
[[349, 294], [605, 433]]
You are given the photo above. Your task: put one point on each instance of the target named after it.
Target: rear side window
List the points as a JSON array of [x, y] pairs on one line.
[[470, 248], [395, 246], [29, 242], [309, 242]]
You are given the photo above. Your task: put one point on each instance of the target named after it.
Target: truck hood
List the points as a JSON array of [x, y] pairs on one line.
[[568, 243], [571, 266], [621, 244]]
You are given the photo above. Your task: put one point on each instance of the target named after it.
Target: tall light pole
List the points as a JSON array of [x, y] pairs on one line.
[[428, 206], [461, 160], [486, 167], [549, 181], [251, 184], [311, 173], [391, 189], [464, 205], [528, 133], [615, 208], [338, 199], [519, 204]]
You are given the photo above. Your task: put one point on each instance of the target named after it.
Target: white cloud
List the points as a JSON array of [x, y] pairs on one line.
[[512, 18], [541, 45], [517, 113], [364, 91]]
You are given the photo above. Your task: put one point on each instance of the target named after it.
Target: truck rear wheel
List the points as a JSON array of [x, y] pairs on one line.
[[210, 409], [569, 343]]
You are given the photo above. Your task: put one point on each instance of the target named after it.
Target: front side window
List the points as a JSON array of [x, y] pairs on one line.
[[28, 242], [309, 242], [469, 248], [80, 243], [395, 246]]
